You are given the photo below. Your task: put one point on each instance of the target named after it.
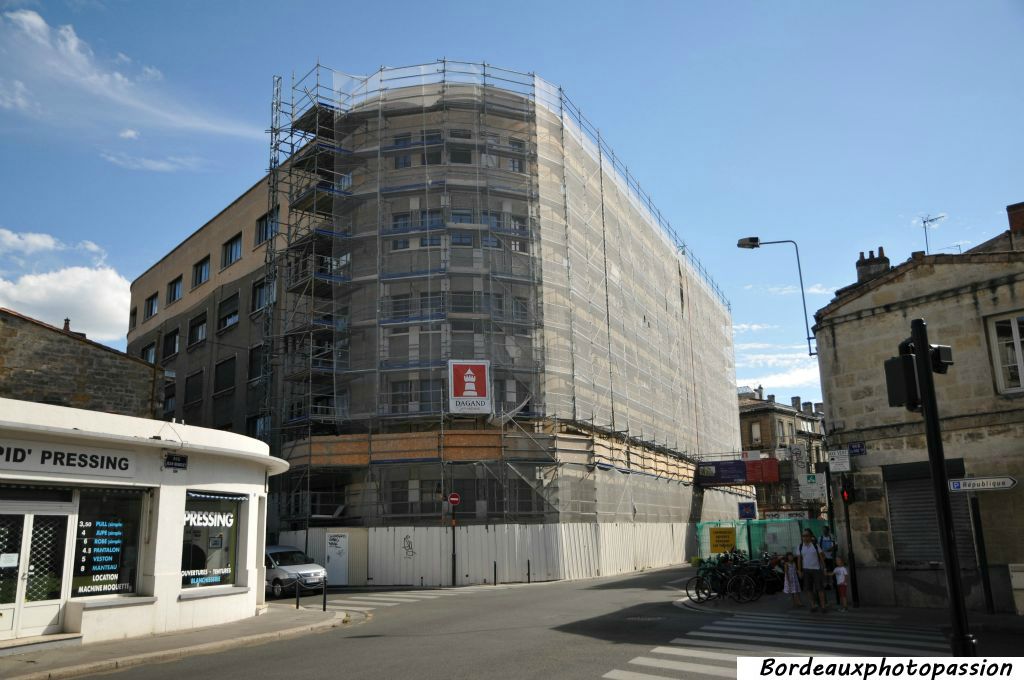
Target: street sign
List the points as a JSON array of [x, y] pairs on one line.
[[748, 510], [454, 498], [982, 484], [812, 487], [857, 448], [785, 514], [722, 539], [839, 460]]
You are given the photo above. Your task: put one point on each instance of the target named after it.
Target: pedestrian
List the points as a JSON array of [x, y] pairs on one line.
[[828, 549], [842, 576], [790, 579], [810, 566]]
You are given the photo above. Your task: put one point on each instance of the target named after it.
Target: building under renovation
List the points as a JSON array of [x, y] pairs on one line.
[[451, 211]]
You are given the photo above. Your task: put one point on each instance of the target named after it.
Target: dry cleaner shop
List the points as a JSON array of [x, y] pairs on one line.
[[113, 526]]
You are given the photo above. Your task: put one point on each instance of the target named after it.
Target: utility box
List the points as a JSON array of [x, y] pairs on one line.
[[1017, 583]]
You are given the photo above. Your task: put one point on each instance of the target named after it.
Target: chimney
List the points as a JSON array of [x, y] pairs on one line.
[[819, 407], [869, 267], [760, 393], [1015, 216], [795, 401], [67, 325], [771, 398], [808, 407]]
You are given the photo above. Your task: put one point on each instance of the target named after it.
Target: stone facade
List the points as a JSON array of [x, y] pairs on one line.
[[45, 364], [961, 297]]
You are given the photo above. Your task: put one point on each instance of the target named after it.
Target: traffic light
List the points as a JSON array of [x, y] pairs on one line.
[[847, 489], [901, 378]]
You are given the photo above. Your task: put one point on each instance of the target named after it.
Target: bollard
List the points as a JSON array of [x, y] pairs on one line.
[[495, 572], [325, 593], [296, 593], [527, 571]]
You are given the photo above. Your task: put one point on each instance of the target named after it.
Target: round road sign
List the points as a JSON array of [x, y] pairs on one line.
[[454, 498]]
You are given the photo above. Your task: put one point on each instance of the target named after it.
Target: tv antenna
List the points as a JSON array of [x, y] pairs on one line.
[[926, 222]]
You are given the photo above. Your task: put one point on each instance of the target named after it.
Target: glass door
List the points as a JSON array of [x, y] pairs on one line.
[[32, 574]]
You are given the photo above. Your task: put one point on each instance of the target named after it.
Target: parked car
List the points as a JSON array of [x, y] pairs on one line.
[[288, 567]]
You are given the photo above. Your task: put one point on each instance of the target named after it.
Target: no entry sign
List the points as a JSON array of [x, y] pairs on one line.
[[454, 498]]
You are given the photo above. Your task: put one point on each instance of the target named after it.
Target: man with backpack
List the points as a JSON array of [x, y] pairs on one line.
[[810, 564]]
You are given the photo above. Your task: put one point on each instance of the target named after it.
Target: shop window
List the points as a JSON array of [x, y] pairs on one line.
[[149, 309], [231, 251], [210, 547], [107, 542], [174, 290], [201, 271], [227, 312], [171, 344], [197, 329]]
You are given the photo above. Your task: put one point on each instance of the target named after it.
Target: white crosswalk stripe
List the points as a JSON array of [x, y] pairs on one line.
[[711, 650], [370, 600]]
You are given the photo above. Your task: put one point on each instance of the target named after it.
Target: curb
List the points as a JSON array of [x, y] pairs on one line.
[[108, 665]]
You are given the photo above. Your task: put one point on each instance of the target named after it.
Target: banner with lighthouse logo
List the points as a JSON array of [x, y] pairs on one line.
[[469, 386]]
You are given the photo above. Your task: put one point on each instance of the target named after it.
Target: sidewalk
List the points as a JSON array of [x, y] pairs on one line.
[[781, 605], [53, 662]]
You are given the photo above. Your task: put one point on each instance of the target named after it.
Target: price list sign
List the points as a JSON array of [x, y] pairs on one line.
[[99, 549]]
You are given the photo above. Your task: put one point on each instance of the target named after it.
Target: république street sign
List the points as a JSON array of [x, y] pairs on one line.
[[982, 484]]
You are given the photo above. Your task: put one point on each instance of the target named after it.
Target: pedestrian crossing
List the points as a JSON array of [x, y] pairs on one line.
[[372, 600], [711, 650]]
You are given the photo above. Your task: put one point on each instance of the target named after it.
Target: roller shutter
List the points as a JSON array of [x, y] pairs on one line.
[[914, 525]]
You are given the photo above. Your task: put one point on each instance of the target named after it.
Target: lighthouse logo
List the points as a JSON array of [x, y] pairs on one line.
[[469, 387]]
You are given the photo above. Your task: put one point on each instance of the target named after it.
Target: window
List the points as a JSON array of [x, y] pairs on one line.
[[149, 308], [462, 238], [227, 312], [133, 318], [170, 399], [403, 161], [262, 295], [174, 290], [431, 218], [492, 139], [255, 362], [170, 344], [224, 375], [431, 137], [461, 156], [404, 139], [194, 388], [257, 426], [429, 241], [209, 555], [401, 391], [107, 542], [517, 144], [398, 497], [430, 394], [1005, 333], [431, 304], [148, 353], [432, 157], [488, 160], [515, 164], [401, 305], [231, 251], [197, 329], [460, 134], [400, 221], [755, 433], [520, 309], [201, 271], [495, 304], [517, 245], [490, 241], [400, 244], [462, 216], [266, 227]]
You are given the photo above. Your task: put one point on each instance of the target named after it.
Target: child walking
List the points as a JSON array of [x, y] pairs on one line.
[[842, 575], [791, 585]]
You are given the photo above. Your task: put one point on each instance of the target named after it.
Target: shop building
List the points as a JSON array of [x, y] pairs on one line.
[[115, 526]]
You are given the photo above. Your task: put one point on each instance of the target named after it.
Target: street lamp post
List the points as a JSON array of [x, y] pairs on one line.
[[752, 242]]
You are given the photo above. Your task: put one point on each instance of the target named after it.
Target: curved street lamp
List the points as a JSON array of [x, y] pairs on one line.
[[751, 242]]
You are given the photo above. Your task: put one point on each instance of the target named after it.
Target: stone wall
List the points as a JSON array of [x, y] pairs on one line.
[[41, 363]]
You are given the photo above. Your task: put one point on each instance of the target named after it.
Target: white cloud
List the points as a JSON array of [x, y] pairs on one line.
[[813, 289], [168, 164], [795, 377], [14, 96], [96, 299], [751, 327], [27, 242], [77, 85], [128, 133]]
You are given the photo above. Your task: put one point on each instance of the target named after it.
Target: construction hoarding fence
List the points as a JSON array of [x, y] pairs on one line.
[[756, 536]]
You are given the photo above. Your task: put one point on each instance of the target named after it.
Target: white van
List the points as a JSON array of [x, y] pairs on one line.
[[288, 567]]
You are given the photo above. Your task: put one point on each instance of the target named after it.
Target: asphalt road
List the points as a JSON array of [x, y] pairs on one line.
[[620, 628]]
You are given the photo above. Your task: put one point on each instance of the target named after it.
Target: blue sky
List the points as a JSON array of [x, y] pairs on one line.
[[125, 126]]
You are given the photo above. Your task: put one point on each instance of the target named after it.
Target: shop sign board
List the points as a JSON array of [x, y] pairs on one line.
[[722, 539], [722, 472], [469, 386], [65, 459], [839, 460]]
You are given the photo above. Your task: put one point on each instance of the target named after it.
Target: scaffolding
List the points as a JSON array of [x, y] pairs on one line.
[[457, 210]]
